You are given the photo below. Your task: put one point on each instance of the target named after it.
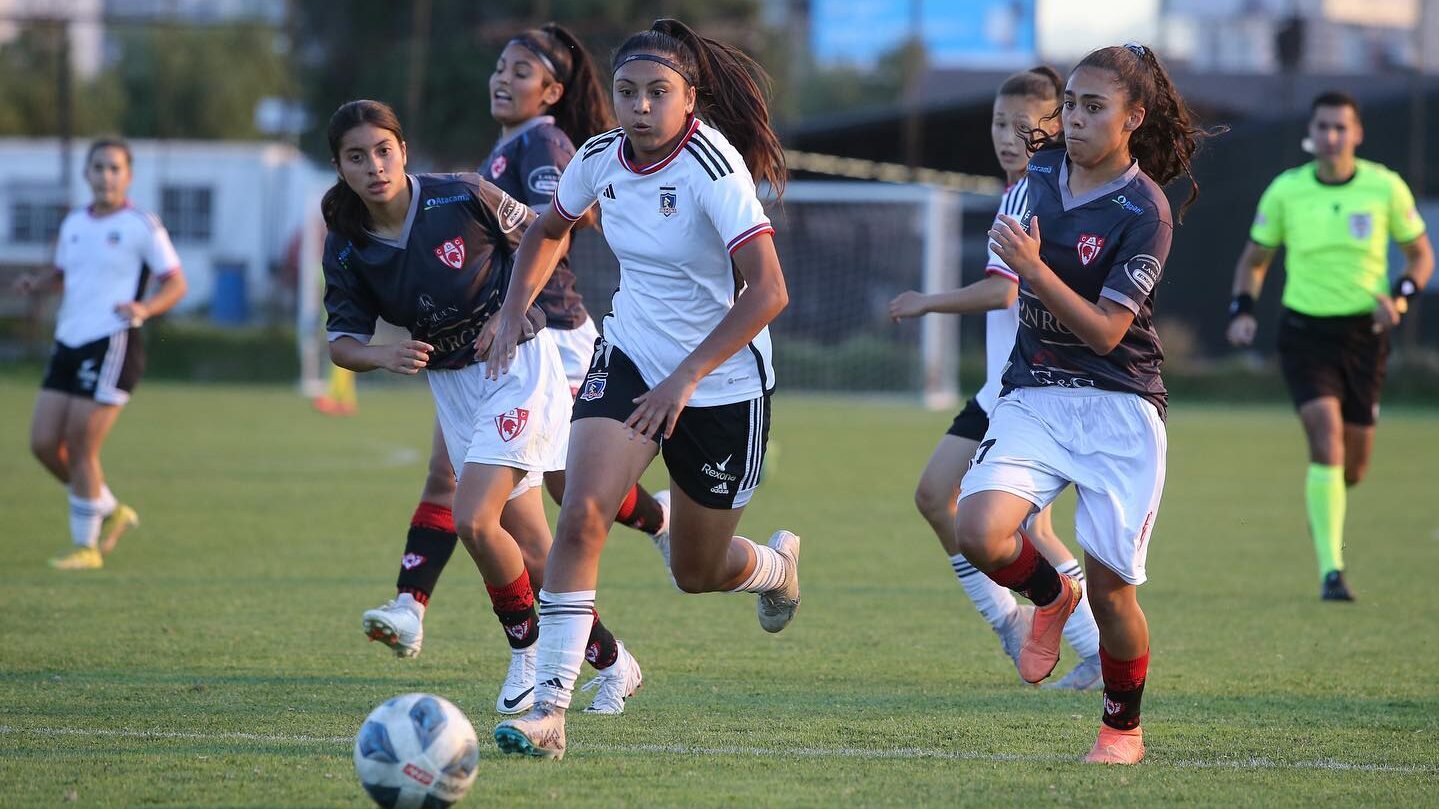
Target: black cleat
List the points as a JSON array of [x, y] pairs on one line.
[[1334, 588]]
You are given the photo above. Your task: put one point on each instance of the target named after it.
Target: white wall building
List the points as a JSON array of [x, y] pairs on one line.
[[232, 209]]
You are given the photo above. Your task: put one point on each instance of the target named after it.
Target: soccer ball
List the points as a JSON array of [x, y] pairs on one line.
[[416, 751]]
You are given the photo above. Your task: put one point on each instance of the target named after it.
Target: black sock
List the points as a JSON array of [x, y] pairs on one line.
[[601, 650], [428, 546], [522, 627]]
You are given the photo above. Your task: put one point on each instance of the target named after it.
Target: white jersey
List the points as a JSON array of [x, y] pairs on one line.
[[673, 225], [107, 260], [1000, 325]]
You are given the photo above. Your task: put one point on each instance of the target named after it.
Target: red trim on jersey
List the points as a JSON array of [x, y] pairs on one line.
[[694, 125], [560, 209], [749, 236], [1007, 273], [167, 273]]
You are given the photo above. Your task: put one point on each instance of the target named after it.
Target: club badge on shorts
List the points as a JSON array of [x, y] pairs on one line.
[[594, 387], [452, 252], [512, 423], [1089, 246], [668, 198]]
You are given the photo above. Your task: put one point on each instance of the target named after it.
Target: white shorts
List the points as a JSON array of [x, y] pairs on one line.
[[521, 420], [577, 349], [1110, 445]]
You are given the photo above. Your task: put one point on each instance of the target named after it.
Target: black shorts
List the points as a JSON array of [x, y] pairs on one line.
[[1334, 356], [972, 422], [716, 453], [105, 370]]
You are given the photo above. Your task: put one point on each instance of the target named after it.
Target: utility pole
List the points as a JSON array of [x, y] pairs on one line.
[[419, 58]]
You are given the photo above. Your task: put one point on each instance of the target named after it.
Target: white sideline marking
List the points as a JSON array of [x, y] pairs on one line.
[[901, 753]]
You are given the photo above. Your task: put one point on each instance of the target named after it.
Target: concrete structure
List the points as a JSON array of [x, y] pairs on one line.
[[232, 209]]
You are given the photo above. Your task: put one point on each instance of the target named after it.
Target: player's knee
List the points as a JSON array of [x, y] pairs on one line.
[[583, 525], [933, 503], [1355, 473], [1111, 605], [477, 530], [693, 581], [46, 448]]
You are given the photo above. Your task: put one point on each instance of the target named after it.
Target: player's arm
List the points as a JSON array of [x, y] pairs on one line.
[[764, 296], [1101, 325], [544, 242], [172, 288], [994, 291], [1418, 269], [407, 357], [1249, 274]]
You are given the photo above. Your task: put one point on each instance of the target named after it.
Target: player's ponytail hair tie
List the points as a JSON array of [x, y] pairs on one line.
[[1136, 49], [654, 57]]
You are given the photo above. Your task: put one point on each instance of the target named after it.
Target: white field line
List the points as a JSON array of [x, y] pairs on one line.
[[902, 753]]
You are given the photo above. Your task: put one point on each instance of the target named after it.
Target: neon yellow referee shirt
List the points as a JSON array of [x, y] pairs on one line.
[[1336, 236]]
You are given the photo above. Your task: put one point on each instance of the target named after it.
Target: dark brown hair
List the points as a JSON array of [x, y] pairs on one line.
[[583, 111], [345, 213], [110, 142], [730, 90], [1335, 98], [1165, 143], [1041, 83]]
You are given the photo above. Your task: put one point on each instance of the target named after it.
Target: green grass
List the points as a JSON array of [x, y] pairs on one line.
[[217, 660]]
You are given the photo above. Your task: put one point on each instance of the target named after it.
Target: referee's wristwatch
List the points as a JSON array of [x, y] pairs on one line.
[[1242, 304]]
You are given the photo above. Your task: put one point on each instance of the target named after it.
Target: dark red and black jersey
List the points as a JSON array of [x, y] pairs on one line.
[[1110, 243], [444, 276]]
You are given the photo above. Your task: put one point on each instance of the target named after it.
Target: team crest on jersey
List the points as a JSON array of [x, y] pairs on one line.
[[668, 200], [594, 387], [113, 237], [498, 166], [512, 423], [1089, 246], [452, 252], [1361, 225]]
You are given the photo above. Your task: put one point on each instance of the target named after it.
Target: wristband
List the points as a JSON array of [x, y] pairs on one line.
[[1242, 304], [1406, 288]]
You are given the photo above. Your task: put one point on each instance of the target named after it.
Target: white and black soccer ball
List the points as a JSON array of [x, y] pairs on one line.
[[416, 751]]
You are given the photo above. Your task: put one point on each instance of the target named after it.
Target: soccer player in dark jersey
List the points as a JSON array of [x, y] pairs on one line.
[[546, 95], [433, 253], [106, 255], [1334, 216], [1083, 401], [1024, 102], [684, 368]]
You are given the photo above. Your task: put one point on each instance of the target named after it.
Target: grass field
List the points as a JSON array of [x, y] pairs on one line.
[[218, 660]]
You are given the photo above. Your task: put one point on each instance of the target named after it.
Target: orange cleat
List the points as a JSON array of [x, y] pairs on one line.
[[1040, 653], [1117, 746], [333, 407]]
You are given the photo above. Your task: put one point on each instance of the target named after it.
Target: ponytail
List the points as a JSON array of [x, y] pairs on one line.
[[583, 110], [730, 90], [345, 213]]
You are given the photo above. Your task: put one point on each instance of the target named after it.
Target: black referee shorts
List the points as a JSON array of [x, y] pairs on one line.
[[1334, 356], [716, 453]]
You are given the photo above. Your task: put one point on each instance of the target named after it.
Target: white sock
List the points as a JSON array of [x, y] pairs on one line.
[[108, 502], [85, 517], [994, 602], [1081, 631], [408, 601], [768, 573], [565, 622]]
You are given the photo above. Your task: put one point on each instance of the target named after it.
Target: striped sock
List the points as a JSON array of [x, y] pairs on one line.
[[1080, 630], [85, 517], [565, 623], [995, 603], [768, 573]]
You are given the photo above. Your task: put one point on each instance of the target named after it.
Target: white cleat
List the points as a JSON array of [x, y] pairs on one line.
[[396, 625], [538, 734], [777, 607], [1014, 630], [615, 684], [1082, 677], [517, 695]]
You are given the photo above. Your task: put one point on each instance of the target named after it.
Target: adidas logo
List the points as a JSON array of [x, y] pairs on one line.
[[722, 488], [610, 191], [553, 682]]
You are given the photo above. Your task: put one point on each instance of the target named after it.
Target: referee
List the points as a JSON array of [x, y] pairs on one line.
[[1335, 217]]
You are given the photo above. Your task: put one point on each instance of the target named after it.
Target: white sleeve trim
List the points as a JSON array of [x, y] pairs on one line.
[[363, 338], [1120, 298]]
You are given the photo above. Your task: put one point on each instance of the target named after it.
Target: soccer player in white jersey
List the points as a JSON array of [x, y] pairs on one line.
[[105, 258], [1024, 102], [684, 366]]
